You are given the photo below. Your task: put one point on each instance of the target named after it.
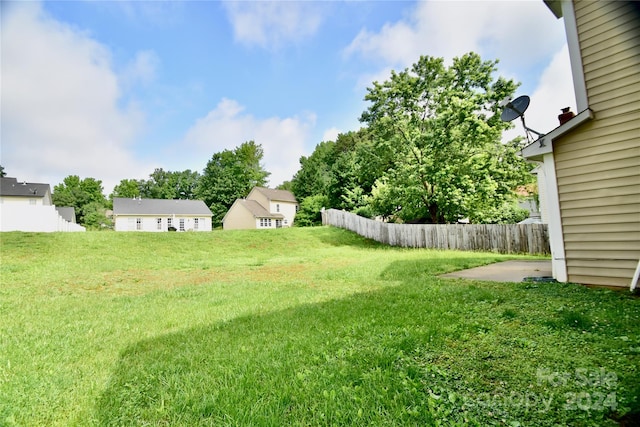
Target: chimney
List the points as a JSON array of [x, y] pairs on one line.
[[566, 115]]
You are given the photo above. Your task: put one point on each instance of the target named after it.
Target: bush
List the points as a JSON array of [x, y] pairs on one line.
[[364, 211], [310, 212], [508, 213]]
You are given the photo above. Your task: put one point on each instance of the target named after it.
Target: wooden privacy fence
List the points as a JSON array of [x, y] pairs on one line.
[[503, 238]]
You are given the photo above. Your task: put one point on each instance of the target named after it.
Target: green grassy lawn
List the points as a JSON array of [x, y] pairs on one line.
[[298, 327]]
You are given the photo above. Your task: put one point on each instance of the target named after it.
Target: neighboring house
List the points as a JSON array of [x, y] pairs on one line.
[[263, 208], [542, 194], [527, 201], [591, 164], [160, 215], [26, 206], [67, 212]]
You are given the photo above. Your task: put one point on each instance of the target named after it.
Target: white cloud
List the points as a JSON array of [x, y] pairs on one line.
[[60, 104], [525, 36], [228, 126], [331, 134], [554, 92], [157, 13], [141, 70], [518, 33], [394, 44], [270, 24]]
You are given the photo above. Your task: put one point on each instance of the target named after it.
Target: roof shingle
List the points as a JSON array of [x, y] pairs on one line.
[[126, 206], [11, 187], [67, 212], [279, 195], [257, 210]]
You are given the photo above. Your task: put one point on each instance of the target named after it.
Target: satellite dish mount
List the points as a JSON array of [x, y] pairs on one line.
[[516, 108]]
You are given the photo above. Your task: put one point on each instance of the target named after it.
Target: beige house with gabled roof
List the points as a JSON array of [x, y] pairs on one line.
[[263, 208], [591, 164]]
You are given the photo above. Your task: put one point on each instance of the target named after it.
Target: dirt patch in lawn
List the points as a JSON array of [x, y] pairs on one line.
[[139, 282]]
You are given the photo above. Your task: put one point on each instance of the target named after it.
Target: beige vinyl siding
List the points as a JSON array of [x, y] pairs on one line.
[[600, 206], [256, 195], [592, 17], [598, 164], [238, 218], [608, 33]]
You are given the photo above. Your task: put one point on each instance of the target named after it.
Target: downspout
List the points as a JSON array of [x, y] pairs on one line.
[[634, 281]]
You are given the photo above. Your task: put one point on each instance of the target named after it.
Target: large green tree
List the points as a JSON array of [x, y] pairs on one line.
[[157, 186], [354, 170], [160, 185], [128, 188], [438, 127], [230, 175], [185, 183], [170, 185], [340, 174], [86, 196], [314, 176]]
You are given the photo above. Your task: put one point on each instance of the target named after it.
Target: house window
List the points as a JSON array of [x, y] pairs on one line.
[[33, 202], [195, 223], [297, 207], [138, 223], [277, 207], [159, 222], [169, 222], [265, 222], [181, 224], [278, 223]]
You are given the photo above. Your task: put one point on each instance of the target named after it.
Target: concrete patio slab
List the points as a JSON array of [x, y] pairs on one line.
[[506, 271]]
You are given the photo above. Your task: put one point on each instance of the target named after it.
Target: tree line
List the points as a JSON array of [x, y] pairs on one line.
[[429, 151]]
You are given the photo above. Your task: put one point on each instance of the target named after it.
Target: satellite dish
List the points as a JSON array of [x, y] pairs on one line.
[[516, 108]]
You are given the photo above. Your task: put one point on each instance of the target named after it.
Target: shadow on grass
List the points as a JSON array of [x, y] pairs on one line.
[[403, 355], [334, 236], [440, 262], [309, 365]]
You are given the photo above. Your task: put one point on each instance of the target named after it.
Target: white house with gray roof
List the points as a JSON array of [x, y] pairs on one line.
[[263, 208], [160, 215], [27, 206]]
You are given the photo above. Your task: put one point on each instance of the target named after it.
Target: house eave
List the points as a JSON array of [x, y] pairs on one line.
[[25, 196], [555, 6], [544, 144], [272, 216]]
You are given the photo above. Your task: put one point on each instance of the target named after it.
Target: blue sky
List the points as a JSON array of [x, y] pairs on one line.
[[114, 89]]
